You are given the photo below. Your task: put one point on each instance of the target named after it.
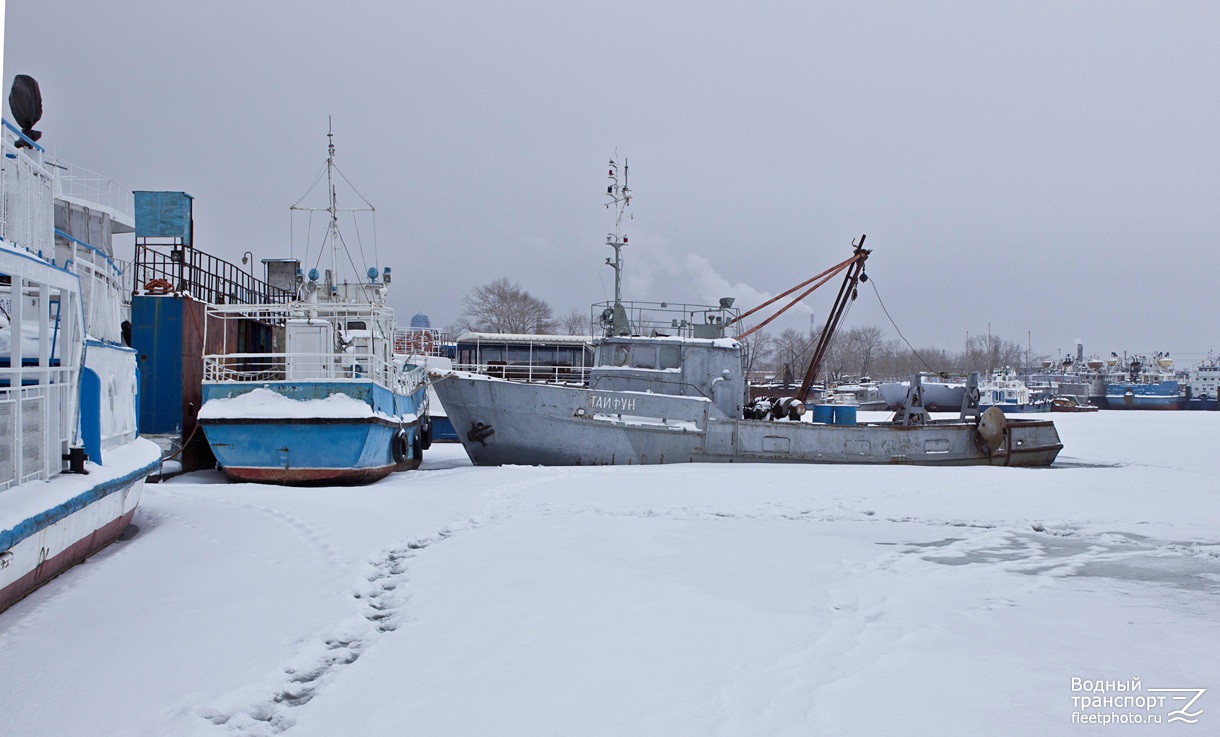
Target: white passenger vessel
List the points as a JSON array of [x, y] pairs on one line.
[[72, 467]]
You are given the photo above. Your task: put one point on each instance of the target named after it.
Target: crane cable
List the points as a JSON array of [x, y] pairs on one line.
[[943, 374]]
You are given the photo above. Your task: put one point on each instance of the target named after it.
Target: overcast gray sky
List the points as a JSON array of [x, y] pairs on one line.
[[1049, 168]]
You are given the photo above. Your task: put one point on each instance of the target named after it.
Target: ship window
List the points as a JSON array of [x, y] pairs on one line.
[[671, 357], [356, 325], [542, 355], [644, 356]]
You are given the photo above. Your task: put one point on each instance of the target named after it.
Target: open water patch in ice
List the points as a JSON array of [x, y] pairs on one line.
[[1117, 556], [1070, 462]]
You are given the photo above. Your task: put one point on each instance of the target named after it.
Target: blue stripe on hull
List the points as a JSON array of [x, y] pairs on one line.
[[1143, 396], [1142, 402], [44, 519]]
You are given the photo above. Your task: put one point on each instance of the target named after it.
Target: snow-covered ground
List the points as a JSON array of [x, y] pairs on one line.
[[676, 600]]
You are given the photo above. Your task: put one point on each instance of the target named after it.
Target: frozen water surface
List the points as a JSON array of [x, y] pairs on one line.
[[676, 600]]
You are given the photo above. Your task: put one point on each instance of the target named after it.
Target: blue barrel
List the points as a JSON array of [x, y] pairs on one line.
[[845, 414], [824, 413]]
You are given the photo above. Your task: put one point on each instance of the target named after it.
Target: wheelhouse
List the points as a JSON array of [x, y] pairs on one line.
[[564, 359]]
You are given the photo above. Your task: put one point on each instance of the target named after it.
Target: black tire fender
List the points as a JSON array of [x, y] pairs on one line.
[[398, 446]]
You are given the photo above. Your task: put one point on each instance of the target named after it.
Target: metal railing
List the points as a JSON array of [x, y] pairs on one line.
[[330, 367], [101, 283], [343, 342], [41, 418], [38, 373], [177, 269], [78, 183], [570, 375], [27, 202], [669, 318], [420, 342]]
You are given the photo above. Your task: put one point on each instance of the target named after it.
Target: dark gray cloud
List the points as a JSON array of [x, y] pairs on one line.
[[1048, 168]]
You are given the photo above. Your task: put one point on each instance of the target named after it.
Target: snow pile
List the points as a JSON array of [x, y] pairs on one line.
[[265, 404]]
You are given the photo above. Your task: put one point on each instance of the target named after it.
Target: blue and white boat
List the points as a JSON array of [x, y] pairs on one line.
[[1149, 384], [72, 467], [329, 402], [1006, 391], [1203, 389]]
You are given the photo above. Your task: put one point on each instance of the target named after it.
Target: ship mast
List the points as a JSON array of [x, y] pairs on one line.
[[332, 209], [620, 198]]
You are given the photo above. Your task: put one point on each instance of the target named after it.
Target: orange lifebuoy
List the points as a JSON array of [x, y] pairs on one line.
[[422, 343], [158, 286]]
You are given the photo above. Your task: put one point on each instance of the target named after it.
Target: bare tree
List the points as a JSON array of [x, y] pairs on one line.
[[575, 323], [869, 342], [759, 346], [502, 306], [985, 353], [864, 351], [791, 355], [852, 352]]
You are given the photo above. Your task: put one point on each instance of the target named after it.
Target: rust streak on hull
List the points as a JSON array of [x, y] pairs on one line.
[[309, 476]]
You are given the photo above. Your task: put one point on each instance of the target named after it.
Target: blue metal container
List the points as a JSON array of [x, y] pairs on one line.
[[824, 413], [845, 414], [164, 215]]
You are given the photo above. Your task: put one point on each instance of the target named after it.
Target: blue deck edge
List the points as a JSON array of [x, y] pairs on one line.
[[42, 520]]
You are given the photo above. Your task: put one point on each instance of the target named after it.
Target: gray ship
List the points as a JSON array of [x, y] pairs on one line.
[[668, 386]]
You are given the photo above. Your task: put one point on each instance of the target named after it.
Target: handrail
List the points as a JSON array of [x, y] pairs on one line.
[[94, 190], [664, 318], [203, 276], [95, 249], [40, 371], [337, 367], [22, 136], [27, 218], [529, 372]]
